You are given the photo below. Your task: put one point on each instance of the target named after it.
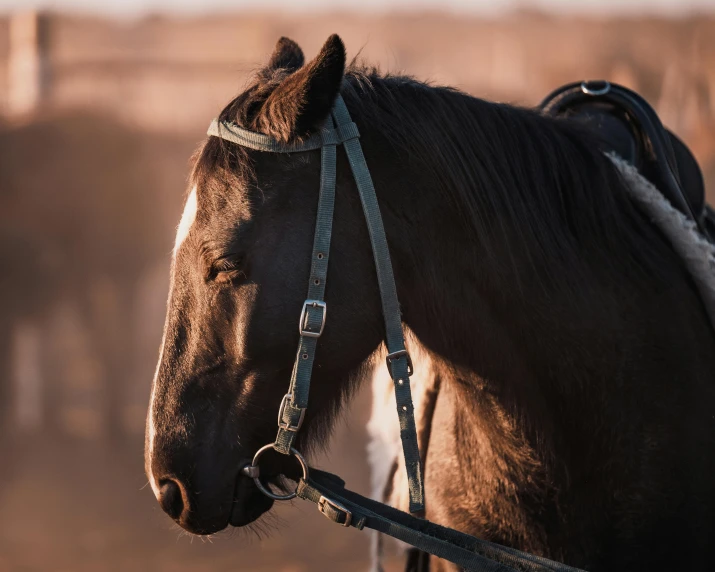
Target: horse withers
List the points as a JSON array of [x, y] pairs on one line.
[[575, 363]]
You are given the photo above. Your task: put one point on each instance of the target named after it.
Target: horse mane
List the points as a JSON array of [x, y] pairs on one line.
[[516, 177]]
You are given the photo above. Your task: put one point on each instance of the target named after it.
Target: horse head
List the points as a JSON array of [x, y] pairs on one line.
[[240, 268]]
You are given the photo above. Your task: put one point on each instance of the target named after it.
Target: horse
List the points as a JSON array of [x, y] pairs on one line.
[[574, 359]]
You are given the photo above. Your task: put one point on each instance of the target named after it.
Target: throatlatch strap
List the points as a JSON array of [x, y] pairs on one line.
[[398, 358], [313, 316]]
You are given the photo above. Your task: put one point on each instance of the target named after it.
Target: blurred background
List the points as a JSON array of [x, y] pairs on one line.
[[101, 107]]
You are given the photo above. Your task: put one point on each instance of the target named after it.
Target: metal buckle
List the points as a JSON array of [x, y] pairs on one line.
[[286, 425], [396, 355], [304, 313], [323, 501]]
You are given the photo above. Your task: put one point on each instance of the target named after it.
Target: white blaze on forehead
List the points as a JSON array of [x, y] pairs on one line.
[[187, 220]]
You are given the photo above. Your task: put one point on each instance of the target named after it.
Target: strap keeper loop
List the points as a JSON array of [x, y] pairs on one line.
[[397, 355], [287, 425], [333, 510]]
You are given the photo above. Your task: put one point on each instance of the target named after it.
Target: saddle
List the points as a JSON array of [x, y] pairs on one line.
[[626, 124]]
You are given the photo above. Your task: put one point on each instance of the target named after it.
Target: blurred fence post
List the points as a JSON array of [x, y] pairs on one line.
[[27, 65], [6, 375], [27, 357]]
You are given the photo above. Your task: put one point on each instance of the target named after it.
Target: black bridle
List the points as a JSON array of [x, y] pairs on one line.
[[328, 491]]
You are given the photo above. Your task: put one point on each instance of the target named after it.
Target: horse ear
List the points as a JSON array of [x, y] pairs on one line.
[[287, 55], [304, 99]]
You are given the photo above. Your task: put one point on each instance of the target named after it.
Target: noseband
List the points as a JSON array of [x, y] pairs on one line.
[[338, 130], [340, 505]]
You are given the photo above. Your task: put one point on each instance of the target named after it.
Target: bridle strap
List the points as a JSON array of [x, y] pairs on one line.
[[398, 360], [339, 129], [314, 312], [328, 491], [348, 508], [260, 142]]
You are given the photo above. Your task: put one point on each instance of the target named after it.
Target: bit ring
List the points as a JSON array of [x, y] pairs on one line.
[[253, 472]]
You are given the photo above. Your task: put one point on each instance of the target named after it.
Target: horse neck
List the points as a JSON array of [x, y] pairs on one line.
[[487, 312], [543, 384]]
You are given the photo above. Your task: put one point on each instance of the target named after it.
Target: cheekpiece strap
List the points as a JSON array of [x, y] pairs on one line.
[[314, 312]]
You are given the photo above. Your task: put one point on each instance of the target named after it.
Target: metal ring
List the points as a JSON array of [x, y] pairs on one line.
[[265, 490]]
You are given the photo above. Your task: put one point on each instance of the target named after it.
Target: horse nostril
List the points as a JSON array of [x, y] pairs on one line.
[[170, 498]]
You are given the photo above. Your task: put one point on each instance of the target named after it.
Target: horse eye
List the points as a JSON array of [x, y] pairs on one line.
[[226, 269]]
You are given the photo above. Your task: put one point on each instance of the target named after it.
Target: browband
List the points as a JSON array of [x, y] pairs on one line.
[[260, 142]]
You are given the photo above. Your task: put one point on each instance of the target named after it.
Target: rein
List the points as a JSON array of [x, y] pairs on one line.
[[338, 504]]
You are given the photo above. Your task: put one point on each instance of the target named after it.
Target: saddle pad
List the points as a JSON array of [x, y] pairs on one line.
[[696, 252]]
